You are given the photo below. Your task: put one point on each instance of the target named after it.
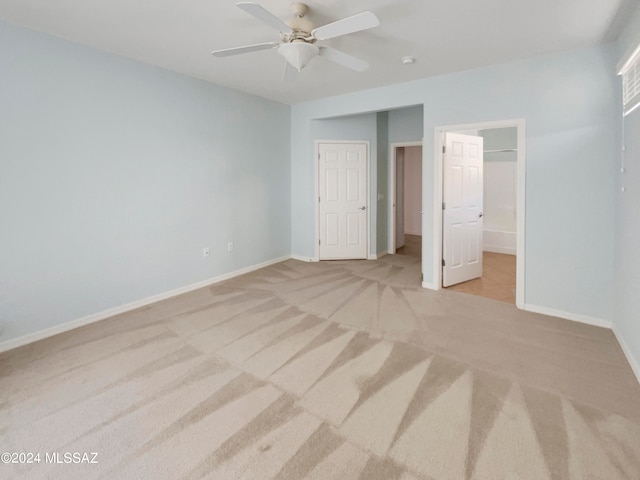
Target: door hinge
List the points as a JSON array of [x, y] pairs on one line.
[[318, 199], [319, 242], [444, 205], [443, 263], [444, 149]]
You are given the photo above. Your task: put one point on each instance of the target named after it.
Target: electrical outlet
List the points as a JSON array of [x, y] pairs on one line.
[[230, 247], [205, 252]]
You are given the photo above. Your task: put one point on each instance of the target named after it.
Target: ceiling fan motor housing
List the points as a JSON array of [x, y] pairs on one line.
[[300, 24]]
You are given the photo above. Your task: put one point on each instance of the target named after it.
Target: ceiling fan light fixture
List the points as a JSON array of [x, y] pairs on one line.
[[298, 53], [298, 37]]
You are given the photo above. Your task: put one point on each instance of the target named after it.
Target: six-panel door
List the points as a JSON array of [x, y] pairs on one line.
[[463, 203], [342, 189]]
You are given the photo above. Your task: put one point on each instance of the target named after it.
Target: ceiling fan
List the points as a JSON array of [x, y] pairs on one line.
[[298, 37]]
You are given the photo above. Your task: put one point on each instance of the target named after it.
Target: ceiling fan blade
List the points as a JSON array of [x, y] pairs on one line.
[[355, 23], [227, 52], [265, 16], [289, 74], [343, 59]]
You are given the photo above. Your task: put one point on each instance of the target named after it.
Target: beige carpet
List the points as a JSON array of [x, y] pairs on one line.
[[337, 370]]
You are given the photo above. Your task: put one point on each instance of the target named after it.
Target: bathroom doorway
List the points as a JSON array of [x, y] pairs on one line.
[[502, 212]]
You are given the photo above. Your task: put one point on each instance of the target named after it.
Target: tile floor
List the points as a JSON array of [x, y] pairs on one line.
[[498, 280]]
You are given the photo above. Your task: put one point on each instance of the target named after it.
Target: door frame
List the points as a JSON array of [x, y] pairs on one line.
[[316, 197], [520, 125], [391, 241]]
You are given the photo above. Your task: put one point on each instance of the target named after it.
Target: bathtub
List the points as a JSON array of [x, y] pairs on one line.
[[499, 242]]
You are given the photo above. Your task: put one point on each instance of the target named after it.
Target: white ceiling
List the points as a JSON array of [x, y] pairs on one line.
[[443, 35]]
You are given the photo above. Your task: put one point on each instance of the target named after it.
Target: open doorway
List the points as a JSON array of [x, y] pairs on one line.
[[501, 213], [405, 215]]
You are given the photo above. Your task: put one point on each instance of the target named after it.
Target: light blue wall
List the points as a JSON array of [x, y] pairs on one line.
[[406, 124], [114, 175], [627, 262], [382, 203], [355, 127], [569, 103]]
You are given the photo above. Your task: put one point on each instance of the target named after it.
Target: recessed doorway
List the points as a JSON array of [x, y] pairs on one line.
[[405, 215]]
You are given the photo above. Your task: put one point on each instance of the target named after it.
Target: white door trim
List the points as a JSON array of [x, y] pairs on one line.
[[391, 241], [316, 154], [438, 143]]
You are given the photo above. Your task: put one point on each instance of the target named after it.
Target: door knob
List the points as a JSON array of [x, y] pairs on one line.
[[363, 208]]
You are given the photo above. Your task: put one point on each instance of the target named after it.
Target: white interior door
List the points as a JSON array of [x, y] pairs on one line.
[[462, 208], [342, 188]]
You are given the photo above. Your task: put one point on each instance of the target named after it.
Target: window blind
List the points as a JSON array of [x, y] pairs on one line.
[[631, 84]]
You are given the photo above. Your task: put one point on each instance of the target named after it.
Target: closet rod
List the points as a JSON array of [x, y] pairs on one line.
[[500, 151]]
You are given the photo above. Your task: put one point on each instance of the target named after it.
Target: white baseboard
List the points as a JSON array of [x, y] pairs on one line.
[[633, 362], [304, 259], [430, 286], [95, 317], [576, 317]]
